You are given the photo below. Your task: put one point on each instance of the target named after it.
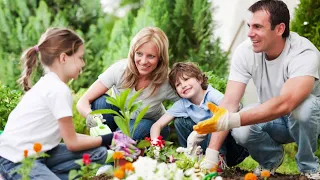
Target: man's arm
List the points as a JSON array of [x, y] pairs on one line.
[[231, 100], [294, 91]]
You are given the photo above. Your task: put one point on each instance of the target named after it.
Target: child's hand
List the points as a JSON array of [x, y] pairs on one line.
[[220, 121], [211, 160], [193, 140]]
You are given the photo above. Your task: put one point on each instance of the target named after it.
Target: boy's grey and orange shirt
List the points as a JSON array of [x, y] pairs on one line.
[[185, 108]]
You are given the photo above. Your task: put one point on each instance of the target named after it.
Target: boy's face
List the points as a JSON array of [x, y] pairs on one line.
[[188, 87]]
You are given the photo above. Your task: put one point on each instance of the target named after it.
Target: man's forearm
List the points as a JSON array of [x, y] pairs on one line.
[[217, 139]]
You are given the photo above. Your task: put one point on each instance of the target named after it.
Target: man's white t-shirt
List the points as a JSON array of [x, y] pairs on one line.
[[112, 78], [35, 119], [298, 58]]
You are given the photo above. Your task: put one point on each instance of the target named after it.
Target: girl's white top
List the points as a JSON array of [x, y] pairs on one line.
[[35, 119]]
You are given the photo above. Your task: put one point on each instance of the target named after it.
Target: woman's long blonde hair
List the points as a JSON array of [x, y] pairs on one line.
[[160, 73]]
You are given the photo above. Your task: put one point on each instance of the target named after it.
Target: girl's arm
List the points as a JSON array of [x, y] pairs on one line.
[[96, 90], [159, 125], [74, 141]]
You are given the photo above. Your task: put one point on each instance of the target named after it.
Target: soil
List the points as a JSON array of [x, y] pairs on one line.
[[234, 174], [238, 174]]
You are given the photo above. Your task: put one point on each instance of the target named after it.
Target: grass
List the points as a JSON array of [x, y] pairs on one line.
[[289, 165]]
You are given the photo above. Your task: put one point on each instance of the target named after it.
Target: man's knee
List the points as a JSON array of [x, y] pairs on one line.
[[310, 107], [243, 135]]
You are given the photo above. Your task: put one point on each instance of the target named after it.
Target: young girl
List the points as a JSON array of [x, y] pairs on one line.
[[44, 114]]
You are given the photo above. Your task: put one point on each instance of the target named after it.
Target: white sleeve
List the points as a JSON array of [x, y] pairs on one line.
[[304, 64], [60, 102], [113, 74], [239, 66]]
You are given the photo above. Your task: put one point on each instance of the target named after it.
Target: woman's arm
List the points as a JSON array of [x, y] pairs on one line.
[[159, 125], [96, 90]]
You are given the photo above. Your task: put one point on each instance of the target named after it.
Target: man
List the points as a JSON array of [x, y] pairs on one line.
[[285, 70]]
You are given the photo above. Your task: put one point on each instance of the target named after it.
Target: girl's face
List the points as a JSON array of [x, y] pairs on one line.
[[146, 58], [188, 87], [75, 63]]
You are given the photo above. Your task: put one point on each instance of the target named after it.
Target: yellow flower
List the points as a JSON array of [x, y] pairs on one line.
[[118, 155], [250, 176], [37, 147], [25, 153], [265, 173], [128, 166], [118, 174]]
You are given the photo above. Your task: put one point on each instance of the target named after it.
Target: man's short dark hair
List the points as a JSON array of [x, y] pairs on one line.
[[278, 10]]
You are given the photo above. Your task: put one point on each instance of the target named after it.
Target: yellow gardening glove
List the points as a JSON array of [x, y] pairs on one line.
[[220, 121]]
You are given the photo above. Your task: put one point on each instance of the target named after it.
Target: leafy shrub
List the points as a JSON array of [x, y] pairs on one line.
[[8, 101], [217, 82], [306, 20], [78, 121]]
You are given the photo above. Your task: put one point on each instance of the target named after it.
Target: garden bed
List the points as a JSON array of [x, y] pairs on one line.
[[238, 174]]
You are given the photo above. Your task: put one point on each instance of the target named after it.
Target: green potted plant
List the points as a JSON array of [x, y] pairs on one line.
[[126, 106]]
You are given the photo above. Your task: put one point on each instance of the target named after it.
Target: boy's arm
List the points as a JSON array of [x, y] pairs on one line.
[[159, 125]]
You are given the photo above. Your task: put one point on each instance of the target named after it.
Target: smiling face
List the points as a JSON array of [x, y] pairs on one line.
[[188, 87], [262, 37], [75, 63], [146, 58]]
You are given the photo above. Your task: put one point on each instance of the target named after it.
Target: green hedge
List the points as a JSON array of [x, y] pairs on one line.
[[306, 20], [8, 101]]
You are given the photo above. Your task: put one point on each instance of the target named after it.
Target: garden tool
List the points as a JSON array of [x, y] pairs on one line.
[[100, 129]]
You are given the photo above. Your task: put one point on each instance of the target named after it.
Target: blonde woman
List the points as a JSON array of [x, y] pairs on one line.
[[146, 69]]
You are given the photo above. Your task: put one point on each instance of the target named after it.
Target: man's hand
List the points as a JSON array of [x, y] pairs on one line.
[[210, 161], [220, 121], [193, 140], [91, 120]]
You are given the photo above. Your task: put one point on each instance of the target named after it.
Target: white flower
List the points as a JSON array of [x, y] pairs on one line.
[[145, 167], [305, 23]]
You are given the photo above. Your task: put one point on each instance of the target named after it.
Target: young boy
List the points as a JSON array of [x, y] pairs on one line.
[[192, 86]]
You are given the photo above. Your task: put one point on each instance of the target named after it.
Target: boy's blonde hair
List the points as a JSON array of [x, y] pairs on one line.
[[189, 69], [160, 73]]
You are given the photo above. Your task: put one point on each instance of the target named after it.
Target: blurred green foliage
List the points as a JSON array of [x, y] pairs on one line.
[[306, 20], [77, 119], [8, 101], [217, 82], [188, 25], [23, 22]]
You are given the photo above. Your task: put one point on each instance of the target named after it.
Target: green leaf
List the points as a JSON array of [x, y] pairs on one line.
[[123, 126], [112, 100], [133, 98], [105, 111], [123, 98], [143, 144], [135, 106], [72, 174], [139, 117]]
